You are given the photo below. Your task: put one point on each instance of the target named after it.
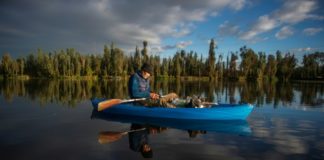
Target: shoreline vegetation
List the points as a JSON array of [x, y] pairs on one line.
[[113, 63], [159, 78], [73, 91]]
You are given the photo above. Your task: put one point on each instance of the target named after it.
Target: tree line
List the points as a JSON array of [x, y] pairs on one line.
[[113, 62]]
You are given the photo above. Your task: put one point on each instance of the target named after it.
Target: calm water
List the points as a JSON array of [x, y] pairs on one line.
[[52, 120]]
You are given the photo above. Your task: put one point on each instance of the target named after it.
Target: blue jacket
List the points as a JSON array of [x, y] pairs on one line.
[[138, 87]]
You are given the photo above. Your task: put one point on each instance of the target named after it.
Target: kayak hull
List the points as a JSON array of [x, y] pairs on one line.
[[237, 127], [215, 112]]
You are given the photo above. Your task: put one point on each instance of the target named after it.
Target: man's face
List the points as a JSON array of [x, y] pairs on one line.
[[146, 75], [146, 148]]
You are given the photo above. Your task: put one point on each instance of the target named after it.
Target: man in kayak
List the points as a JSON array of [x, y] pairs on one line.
[[139, 87]]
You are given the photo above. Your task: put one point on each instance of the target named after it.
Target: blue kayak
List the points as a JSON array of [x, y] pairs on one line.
[[214, 112], [237, 127]]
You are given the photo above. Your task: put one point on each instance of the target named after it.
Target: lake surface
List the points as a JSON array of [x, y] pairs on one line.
[[41, 119]]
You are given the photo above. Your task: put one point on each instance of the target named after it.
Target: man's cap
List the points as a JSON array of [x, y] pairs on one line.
[[147, 68]]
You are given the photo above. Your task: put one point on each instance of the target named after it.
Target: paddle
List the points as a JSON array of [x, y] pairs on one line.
[[111, 102], [110, 136]]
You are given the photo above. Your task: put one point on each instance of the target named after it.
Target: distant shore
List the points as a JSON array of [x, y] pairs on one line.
[[159, 78]]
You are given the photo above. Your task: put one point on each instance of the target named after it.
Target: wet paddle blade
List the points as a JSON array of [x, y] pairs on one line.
[[108, 103], [108, 137]]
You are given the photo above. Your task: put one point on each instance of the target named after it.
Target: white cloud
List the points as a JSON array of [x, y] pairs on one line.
[[214, 14], [227, 29], [238, 5], [292, 12], [305, 49], [284, 32], [179, 45], [312, 31], [183, 44], [263, 24]]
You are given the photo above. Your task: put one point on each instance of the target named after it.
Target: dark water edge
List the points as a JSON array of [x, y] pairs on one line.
[[52, 120]]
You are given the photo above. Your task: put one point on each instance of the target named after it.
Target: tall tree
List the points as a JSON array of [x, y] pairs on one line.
[[106, 61], [261, 66], [271, 67], [165, 67], [211, 59], [232, 66], [145, 53], [249, 64], [137, 59], [21, 65], [5, 65], [177, 65], [286, 67]]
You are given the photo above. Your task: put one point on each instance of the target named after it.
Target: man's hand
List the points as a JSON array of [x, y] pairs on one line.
[[154, 96]]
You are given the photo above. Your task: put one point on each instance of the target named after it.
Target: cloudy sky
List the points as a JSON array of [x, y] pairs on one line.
[[168, 25]]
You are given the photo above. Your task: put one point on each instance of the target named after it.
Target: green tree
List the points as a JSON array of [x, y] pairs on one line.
[[106, 65], [262, 62], [271, 67], [219, 70], [249, 64], [211, 59], [87, 68], [95, 64], [177, 65], [313, 65], [137, 59], [286, 67], [5, 65], [145, 53], [165, 67], [118, 61], [232, 67], [21, 66]]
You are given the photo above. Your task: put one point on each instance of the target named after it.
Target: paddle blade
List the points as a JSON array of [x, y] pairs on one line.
[[108, 103], [108, 137]]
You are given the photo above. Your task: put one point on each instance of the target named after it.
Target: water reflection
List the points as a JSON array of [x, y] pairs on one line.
[[141, 129], [291, 134], [273, 133], [71, 92]]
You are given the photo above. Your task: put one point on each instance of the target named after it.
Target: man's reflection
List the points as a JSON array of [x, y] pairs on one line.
[[139, 142]]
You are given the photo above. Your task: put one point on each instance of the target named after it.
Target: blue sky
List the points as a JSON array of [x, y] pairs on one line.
[[294, 26]]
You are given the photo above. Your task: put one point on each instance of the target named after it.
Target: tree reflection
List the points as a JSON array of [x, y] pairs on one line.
[[72, 92], [310, 94]]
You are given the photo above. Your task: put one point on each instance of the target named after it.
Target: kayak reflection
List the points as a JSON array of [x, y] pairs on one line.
[[141, 128], [239, 127]]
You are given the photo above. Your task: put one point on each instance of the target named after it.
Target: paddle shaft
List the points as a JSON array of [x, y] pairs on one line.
[[135, 130], [110, 136], [111, 102]]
